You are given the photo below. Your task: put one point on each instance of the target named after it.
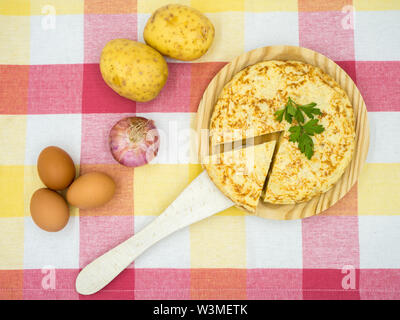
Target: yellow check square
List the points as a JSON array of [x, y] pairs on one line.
[[218, 242], [266, 6], [194, 171], [378, 189], [229, 36], [218, 6], [233, 211], [11, 243], [15, 7], [375, 5], [156, 186], [145, 6], [12, 139], [32, 182], [14, 40], [45, 7], [11, 191]]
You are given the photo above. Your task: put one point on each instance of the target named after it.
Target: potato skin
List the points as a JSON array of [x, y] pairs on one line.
[[179, 32], [133, 69]]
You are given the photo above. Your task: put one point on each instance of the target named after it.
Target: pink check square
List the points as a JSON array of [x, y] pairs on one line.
[[274, 284], [101, 28], [98, 234], [50, 284], [156, 284], [379, 84], [95, 131], [330, 242], [175, 96], [55, 89], [324, 32], [380, 284]]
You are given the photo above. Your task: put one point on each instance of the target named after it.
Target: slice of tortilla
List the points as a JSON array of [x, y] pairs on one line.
[[240, 174]]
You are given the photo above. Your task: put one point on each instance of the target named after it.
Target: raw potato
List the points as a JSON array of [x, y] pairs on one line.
[[179, 32], [133, 69]]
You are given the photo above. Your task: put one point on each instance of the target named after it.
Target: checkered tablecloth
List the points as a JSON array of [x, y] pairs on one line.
[[52, 93]]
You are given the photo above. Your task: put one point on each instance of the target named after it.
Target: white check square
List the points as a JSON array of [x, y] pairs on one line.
[[271, 28], [48, 249], [378, 235], [171, 252], [141, 23], [273, 243], [57, 41], [175, 136], [383, 125], [61, 130], [376, 35]]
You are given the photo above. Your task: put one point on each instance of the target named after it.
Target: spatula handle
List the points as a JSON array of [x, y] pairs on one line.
[[105, 268], [199, 200]]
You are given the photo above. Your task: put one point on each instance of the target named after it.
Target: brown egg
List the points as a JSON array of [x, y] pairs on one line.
[[91, 190], [56, 168], [49, 210]]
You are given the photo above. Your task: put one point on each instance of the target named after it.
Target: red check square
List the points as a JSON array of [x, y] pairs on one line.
[[350, 68], [98, 97], [202, 74], [14, 82], [347, 206], [11, 284], [331, 284], [218, 284], [121, 288]]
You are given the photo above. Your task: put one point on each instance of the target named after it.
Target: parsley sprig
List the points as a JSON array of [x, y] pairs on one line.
[[301, 133]]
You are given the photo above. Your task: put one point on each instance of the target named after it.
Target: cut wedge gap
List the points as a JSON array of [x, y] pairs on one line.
[[245, 143], [226, 159], [273, 159]]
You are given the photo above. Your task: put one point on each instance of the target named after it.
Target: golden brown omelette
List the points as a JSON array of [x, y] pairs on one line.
[[246, 109], [240, 174]]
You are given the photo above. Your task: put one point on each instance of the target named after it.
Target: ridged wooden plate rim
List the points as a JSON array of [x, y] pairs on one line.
[[351, 174]]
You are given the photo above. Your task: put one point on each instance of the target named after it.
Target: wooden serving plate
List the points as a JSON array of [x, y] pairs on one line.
[[350, 176]]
